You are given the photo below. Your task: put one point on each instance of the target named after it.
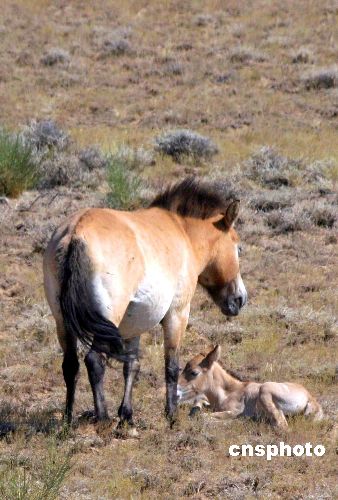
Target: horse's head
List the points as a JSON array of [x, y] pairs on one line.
[[197, 378], [221, 277]]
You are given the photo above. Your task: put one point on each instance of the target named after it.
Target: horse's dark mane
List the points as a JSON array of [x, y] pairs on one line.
[[191, 198]]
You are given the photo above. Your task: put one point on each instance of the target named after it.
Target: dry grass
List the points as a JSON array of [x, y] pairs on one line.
[[129, 74]]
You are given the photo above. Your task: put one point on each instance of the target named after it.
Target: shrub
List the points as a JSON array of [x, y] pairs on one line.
[[173, 68], [302, 216], [55, 56], [116, 47], [287, 221], [268, 168], [322, 78], [323, 215], [19, 167], [320, 173], [124, 185], [302, 55], [45, 134], [134, 157], [267, 201], [203, 19], [92, 158], [62, 169], [185, 143], [116, 43], [243, 54]]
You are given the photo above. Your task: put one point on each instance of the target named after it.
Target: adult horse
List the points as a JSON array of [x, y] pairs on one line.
[[111, 275]]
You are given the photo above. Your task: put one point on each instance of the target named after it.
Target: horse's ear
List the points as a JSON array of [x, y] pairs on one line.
[[211, 357], [231, 213]]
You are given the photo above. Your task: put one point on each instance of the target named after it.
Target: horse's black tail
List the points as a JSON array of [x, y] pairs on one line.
[[80, 310]]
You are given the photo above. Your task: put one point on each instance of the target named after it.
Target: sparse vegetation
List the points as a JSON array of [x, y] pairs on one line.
[[243, 54], [259, 78], [19, 168], [36, 478]]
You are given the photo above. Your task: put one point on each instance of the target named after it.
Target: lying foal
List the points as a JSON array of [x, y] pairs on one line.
[[203, 377]]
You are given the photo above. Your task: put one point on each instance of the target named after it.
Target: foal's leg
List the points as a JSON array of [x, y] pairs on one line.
[[131, 368], [225, 415], [96, 366], [174, 324], [275, 415], [232, 408]]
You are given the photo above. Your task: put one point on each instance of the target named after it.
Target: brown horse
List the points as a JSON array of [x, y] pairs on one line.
[[111, 275]]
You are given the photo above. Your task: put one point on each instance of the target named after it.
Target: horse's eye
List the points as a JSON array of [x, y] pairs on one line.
[[194, 373]]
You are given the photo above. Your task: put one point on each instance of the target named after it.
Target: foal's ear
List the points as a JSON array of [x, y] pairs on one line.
[[211, 357], [231, 213]]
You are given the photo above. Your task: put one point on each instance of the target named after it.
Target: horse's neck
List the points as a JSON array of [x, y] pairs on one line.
[[223, 385], [230, 383], [198, 234]]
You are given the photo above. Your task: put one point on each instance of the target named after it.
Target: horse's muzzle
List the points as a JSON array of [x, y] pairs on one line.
[[232, 305]]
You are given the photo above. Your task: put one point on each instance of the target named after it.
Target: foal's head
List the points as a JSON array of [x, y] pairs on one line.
[[197, 377], [221, 276]]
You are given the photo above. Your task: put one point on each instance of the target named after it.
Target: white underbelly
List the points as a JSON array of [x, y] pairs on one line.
[[294, 405], [148, 306]]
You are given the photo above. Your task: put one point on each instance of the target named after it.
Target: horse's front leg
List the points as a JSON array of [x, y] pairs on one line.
[[174, 325], [131, 368]]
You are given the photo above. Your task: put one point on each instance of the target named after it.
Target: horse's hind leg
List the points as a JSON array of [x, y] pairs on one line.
[[275, 415], [131, 368], [70, 368], [95, 364]]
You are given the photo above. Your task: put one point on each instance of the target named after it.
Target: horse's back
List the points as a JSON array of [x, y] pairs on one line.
[[136, 262]]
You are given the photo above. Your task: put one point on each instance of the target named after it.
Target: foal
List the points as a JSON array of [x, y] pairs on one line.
[[203, 377]]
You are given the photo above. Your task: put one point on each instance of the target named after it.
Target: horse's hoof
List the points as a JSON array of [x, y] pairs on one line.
[[87, 416], [196, 410], [126, 431], [133, 433], [7, 428]]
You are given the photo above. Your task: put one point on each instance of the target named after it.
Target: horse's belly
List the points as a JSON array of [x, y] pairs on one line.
[[293, 406], [147, 308]]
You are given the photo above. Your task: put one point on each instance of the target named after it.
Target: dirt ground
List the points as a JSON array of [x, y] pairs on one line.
[[244, 74]]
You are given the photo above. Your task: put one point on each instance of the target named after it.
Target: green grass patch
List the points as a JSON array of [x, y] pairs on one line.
[[124, 185], [19, 169], [30, 479]]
